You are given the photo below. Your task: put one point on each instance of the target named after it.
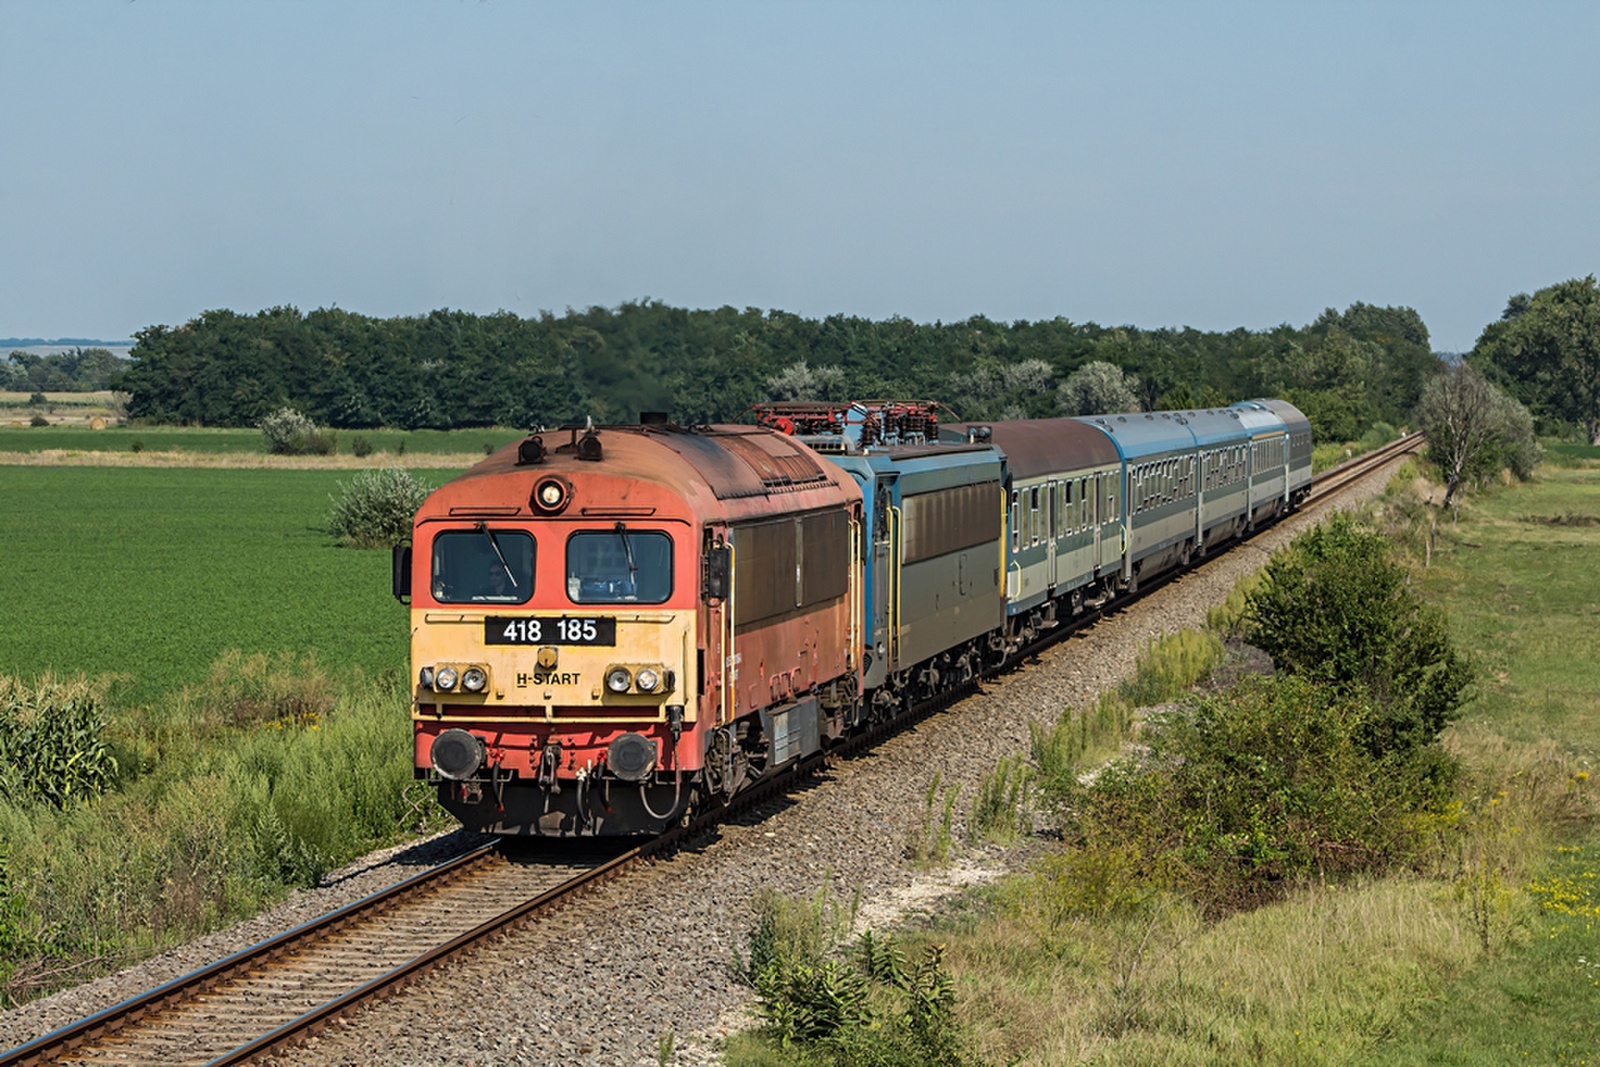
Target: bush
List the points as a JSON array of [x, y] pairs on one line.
[[1336, 608], [1249, 791], [289, 433], [361, 446], [38, 420], [52, 741], [375, 510]]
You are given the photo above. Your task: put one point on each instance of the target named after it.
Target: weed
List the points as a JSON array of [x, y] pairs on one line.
[[1170, 665], [869, 1007], [934, 836], [999, 811]]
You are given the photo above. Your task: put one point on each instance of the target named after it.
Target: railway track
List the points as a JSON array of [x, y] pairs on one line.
[[289, 987]]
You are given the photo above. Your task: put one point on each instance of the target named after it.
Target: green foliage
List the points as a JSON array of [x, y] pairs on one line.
[[1546, 350], [38, 420], [1170, 665], [867, 1009], [452, 368], [361, 446], [289, 433], [1474, 430], [53, 745], [376, 509], [79, 370], [222, 821], [1337, 609], [1000, 810], [1098, 387], [1251, 789], [931, 840]]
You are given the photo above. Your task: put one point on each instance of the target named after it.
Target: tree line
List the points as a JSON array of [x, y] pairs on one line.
[[447, 369], [79, 370]]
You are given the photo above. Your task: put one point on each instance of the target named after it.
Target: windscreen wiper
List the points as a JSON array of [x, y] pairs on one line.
[[627, 550], [483, 528]]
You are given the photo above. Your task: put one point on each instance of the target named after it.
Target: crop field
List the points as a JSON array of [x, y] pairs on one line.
[[21, 438], [152, 574]]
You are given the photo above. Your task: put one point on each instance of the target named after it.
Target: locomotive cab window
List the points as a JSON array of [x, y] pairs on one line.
[[619, 566], [482, 566]]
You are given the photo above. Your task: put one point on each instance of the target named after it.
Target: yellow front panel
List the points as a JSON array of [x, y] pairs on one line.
[[565, 681]]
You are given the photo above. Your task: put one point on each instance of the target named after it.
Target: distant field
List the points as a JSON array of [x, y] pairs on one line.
[[1567, 452], [153, 573], [165, 438]]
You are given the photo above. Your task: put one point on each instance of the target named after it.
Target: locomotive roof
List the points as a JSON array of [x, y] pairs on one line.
[[730, 461], [1045, 446]]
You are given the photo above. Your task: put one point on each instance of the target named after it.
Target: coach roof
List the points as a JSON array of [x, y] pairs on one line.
[[1035, 447]]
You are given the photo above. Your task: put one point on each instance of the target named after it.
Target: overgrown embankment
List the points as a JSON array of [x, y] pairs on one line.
[[120, 837], [1288, 869]]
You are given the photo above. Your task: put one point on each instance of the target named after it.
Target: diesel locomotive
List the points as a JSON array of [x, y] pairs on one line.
[[613, 627]]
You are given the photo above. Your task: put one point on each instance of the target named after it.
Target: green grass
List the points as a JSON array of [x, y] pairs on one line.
[[152, 574], [185, 439], [1570, 453], [1524, 595]]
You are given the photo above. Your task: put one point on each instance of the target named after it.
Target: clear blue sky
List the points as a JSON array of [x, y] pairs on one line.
[[1205, 164]]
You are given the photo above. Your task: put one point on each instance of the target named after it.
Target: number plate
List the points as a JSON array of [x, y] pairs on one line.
[[532, 630]]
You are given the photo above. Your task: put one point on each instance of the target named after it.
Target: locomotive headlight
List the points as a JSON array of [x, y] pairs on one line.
[[618, 679], [445, 678], [473, 679], [425, 677], [647, 680], [551, 494]]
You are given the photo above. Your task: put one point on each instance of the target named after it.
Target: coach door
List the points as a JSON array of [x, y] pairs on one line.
[[1053, 517]]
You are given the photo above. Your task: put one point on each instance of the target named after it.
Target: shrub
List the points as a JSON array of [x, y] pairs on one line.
[[38, 420], [1248, 791], [360, 446], [52, 741], [289, 433], [1335, 607], [375, 510]]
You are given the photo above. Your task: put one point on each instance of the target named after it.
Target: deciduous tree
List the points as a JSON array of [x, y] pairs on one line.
[[1473, 428], [1546, 350]]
